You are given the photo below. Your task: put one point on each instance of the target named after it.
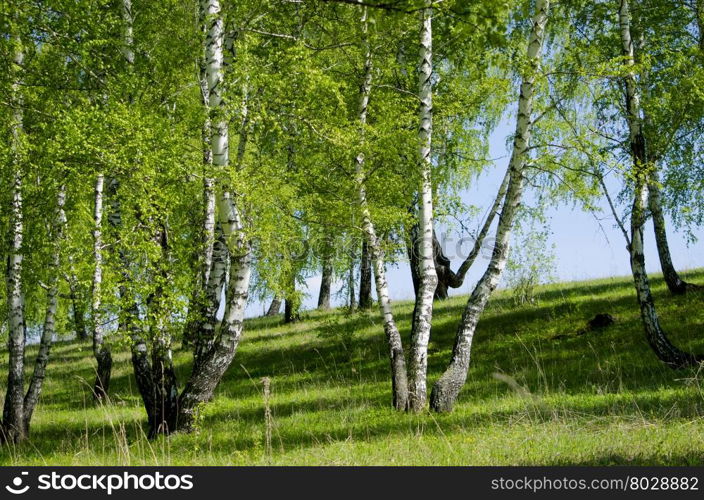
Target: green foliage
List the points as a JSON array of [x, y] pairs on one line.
[[531, 263]]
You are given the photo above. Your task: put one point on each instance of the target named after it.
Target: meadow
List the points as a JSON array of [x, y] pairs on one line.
[[541, 391]]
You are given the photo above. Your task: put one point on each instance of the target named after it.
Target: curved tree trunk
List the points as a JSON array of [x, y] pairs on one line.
[[274, 307], [351, 296], [447, 278], [205, 326], [212, 365], [423, 311], [447, 388], [325, 285], [675, 284], [31, 398], [399, 375], [365, 279], [657, 339]]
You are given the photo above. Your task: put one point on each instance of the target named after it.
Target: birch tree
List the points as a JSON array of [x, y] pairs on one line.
[[447, 388], [423, 312], [101, 352], [399, 374], [13, 411], [640, 172], [201, 385], [19, 405]]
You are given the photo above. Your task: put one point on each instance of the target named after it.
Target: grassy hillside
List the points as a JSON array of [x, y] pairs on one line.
[[597, 398]]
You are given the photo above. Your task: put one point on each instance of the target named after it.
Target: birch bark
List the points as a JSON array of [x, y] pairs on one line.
[[36, 381], [675, 283], [325, 284], [365, 278], [101, 352], [13, 412], [447, 388], [212, 365], [423, 311], [661, 345], [399, 375]]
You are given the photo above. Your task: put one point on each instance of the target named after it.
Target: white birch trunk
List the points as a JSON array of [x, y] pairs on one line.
[[423, 312], [447, 388], [212, 365], [399, 374], [101, 353], [674, 282], [13, 411], [663, 348], [42, 359]]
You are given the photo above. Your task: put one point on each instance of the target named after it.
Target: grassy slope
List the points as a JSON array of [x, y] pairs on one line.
[[599, 398]]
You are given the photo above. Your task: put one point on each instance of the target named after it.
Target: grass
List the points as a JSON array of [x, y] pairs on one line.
[[600, 398]]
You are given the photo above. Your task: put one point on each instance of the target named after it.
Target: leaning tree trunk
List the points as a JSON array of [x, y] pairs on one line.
[[101, 352], [205, 326], [399, 376], [274, 307], [663, 348], [213, 364], [365, 279], [675, 284], [325, 284], [447, 388], [31, 398], [423, 311]]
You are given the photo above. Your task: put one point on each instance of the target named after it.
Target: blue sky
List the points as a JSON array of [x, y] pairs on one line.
[[583, 246]]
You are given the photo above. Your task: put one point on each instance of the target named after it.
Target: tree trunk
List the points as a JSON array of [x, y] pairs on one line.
[[675, 284], [201, 301], [399, 376], [201, 385], [365, 279], [274, 307], [102, 354], [447, 278], [205, 328], [36, 381], [292, 304], [423, 311], [77, 297], [325, 285], [351, 296], [13, 413], [656, 337], [165, 387], [213, 364], [447, 388]]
